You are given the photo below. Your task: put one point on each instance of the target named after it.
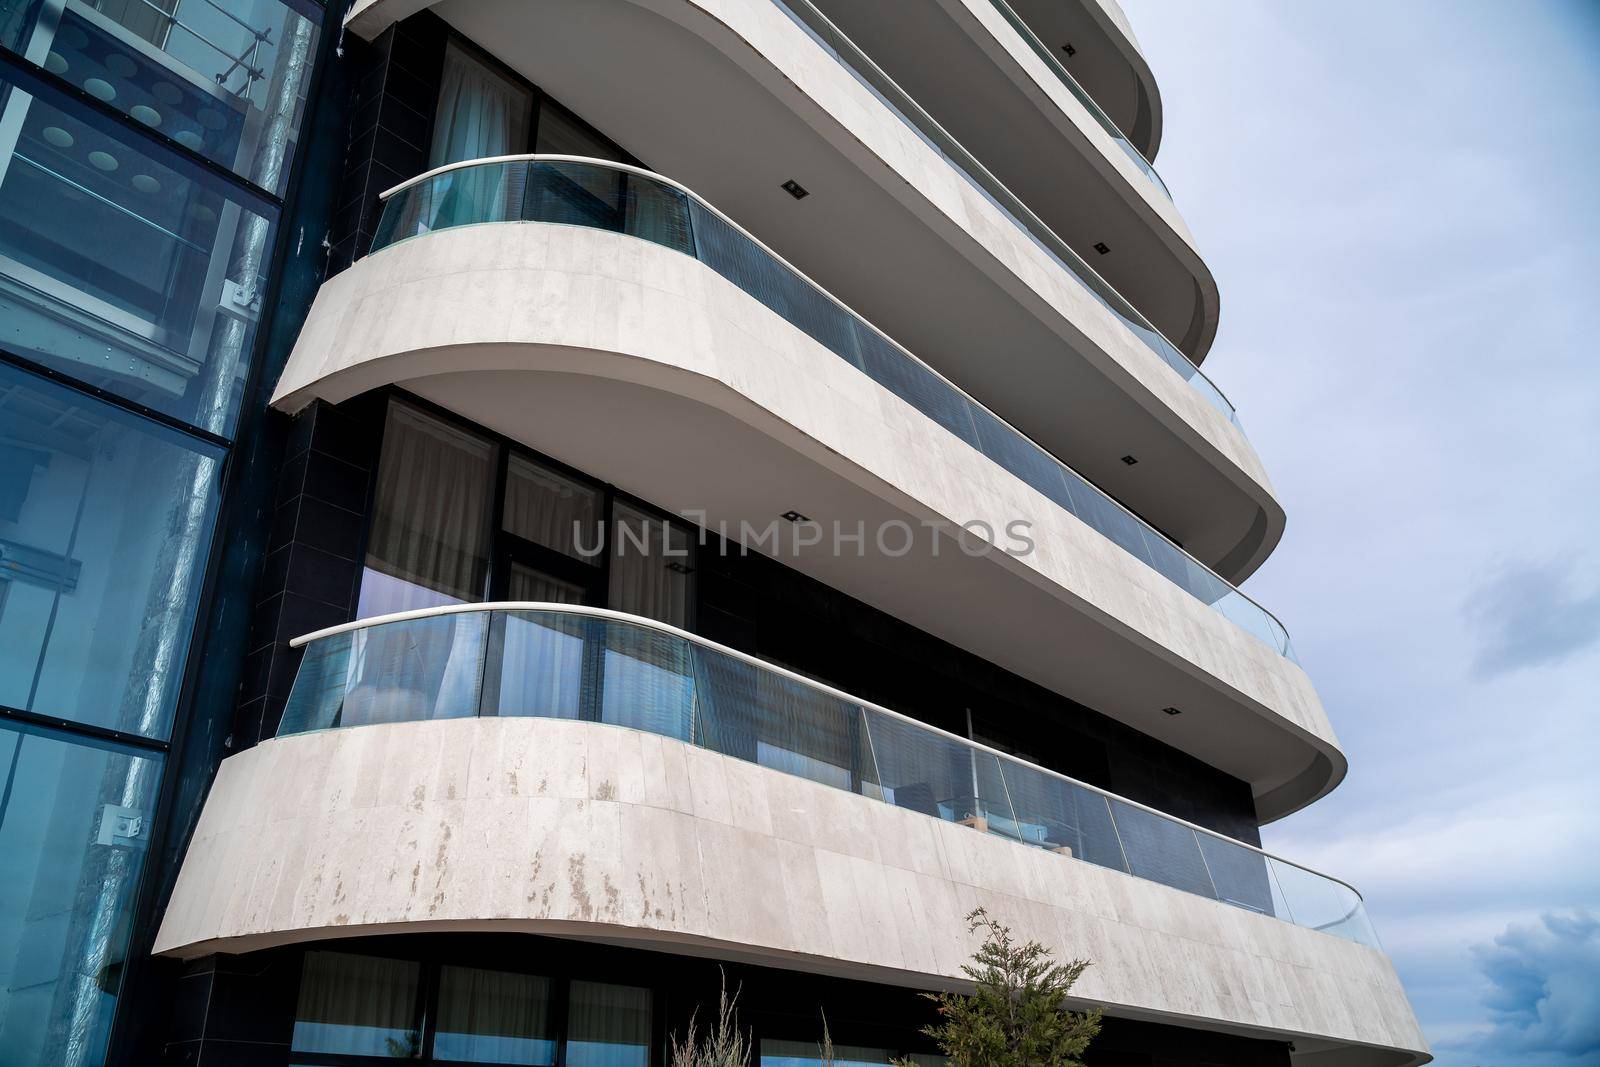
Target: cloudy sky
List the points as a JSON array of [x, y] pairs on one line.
[[1401, 203]]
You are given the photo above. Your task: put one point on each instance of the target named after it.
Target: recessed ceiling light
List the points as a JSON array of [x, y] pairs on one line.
[[794, 516], [1130, 460], [795, 189], [1102, 247], [1172, 711]]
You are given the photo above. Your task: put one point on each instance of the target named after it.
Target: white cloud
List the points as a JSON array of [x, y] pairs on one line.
[[1408, 247]]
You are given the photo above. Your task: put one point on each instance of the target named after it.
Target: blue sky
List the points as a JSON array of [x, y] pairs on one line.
[[1401, 204]]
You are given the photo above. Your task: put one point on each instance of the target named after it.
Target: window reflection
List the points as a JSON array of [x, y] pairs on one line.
[[608, 1026], [105, 528], [550, 509], [124, 265], [778, 1053], [224, 78], [494, 1017], [358, 1006], [650, 566], [375, 1007], [74, 827], [429, 544]]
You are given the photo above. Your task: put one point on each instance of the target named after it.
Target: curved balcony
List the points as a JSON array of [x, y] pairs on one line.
[[1107, 59], [904, 106], [920, 249], [1081, 94], [617, 198], [974, 66], [564, 662], [369, 17]]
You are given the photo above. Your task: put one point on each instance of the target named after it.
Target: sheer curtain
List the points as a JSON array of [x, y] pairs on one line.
[[541, 664], [480, 114], [650, 565], [551, 510], [429, 540], [494, 1017], [608, 1026], [529, 584], [357, 1005]]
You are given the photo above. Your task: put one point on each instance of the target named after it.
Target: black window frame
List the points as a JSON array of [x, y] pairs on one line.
[[503, 545], [425, 1013]]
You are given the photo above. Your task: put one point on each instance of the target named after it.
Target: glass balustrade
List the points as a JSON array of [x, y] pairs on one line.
[[558, 662], [872, 78], [1095, 110], [611, 197]]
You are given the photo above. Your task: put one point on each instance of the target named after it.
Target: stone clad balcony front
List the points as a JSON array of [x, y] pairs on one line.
[[573, 770]]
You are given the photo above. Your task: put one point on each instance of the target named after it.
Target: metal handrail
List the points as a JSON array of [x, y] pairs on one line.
[[122, 208], [706, 205], [252, 73], [812, 683]]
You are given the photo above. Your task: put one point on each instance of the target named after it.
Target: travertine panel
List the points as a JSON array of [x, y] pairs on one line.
[[560, 299], [577, 828], [783, 59]]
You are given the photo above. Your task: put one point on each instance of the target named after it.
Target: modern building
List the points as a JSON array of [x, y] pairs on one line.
[[514, 510]]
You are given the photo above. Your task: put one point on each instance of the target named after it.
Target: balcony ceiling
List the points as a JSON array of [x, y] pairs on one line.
[[642, 367], [925, 258], [1107, 61], [973, 73]]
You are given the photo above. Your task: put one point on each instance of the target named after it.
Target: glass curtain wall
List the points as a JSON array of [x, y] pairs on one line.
[[74, 827], [145, 146], [125, 262], [105, 529]]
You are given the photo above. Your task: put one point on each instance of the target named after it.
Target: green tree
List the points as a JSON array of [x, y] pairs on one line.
[[1018, 1016]]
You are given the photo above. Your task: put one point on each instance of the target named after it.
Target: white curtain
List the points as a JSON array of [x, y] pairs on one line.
[[608, 1026], [551, 510], [541, 664], [429, 540], [427, 668], [480, 113], [493, 1017], [530, 585], [357, 1005], [650, 563]]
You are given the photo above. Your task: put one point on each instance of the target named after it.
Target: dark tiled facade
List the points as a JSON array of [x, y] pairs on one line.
[[396, 87]]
